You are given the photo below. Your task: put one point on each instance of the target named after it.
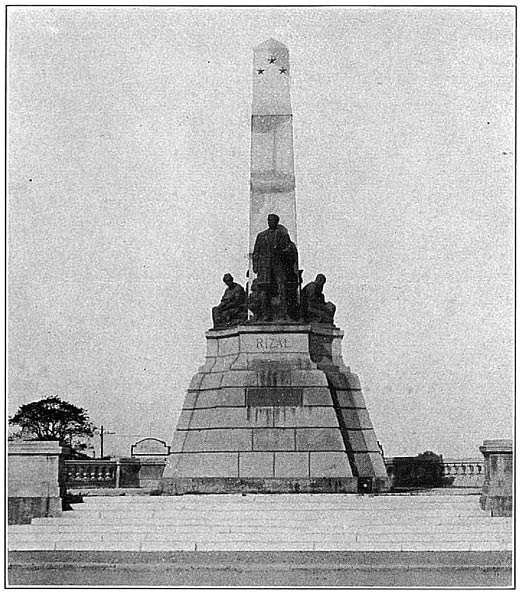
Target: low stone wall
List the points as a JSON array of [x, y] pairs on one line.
[[35, 485]]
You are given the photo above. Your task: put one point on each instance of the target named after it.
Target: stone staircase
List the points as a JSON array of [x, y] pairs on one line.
[[286, 522]]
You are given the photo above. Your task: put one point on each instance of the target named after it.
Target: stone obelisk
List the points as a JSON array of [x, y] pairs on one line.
[[272, 179], [274, 408]]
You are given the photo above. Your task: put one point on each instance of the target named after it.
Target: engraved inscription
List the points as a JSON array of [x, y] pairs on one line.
[[269, 396], [272, 343]]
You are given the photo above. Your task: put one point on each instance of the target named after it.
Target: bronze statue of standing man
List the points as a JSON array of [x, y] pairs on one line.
[[275, 261]]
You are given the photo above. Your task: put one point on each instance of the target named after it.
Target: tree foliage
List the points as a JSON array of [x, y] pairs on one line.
[[54, 419]]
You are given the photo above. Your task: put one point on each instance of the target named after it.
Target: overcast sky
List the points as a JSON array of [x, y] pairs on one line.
[[129, 132]]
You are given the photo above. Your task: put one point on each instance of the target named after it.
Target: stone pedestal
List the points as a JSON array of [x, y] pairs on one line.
[[35, 484], [497, 489], [151, 471], [274, 409]]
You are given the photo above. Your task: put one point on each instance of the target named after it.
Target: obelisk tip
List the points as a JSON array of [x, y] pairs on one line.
[[269, 45]]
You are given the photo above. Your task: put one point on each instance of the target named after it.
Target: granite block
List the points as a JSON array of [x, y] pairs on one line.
[[312, 417], [190, 400], [317, 396], [370, 464], [178, 441], [205, 464], [261, 416], [315, 378], [211, 381], [351, 399], [183, 422], [356, 419], [272, 372], [212, 348], [224, 397], [291, 464], [195, 383], [329, 464], [319, 439], [208, 365], [223, 363], [256, 464], [274, 439], [239, 378], [229, 345], [229, 417], [344, 380], [219, 440], [363, 441]]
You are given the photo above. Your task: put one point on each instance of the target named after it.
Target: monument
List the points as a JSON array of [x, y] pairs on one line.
[[274, 408]]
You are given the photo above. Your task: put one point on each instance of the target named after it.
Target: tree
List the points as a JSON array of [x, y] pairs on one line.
[[54, 419]]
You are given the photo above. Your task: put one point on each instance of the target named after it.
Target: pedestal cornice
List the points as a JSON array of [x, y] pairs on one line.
[[275, 328]]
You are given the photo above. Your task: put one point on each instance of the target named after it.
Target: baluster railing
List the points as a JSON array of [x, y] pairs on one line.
[[90, 473], [463, 473]]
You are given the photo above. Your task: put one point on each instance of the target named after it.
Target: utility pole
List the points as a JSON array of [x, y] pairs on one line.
[[102, 433]]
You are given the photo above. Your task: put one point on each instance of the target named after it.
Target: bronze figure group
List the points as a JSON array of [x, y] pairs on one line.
[[274, 294]]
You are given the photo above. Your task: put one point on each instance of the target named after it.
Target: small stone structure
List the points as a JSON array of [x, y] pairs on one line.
[[35, 480], [497, 490], [152, 454], [149, 447]]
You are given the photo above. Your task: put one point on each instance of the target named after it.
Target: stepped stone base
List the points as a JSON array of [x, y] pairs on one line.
[[274, 410]]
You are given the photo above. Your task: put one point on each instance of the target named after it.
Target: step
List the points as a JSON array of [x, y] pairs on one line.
[[330, 522], [331, 500], [173, 545], [246, 538], [275, 513], [268, 523], [287, 533], [278, 498]]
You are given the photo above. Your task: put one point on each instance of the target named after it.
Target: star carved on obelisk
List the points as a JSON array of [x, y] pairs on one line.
[[260, 71], [273, 59], [283, 70]]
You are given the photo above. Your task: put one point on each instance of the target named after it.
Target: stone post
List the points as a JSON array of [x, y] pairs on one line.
[[35, 480], [496, 496]]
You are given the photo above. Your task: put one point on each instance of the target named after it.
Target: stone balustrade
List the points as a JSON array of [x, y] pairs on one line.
[[463, 473], [115, 473], [91, 473], [409, 472]]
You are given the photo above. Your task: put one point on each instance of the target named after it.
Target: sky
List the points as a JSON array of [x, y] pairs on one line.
[[128, 193]]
